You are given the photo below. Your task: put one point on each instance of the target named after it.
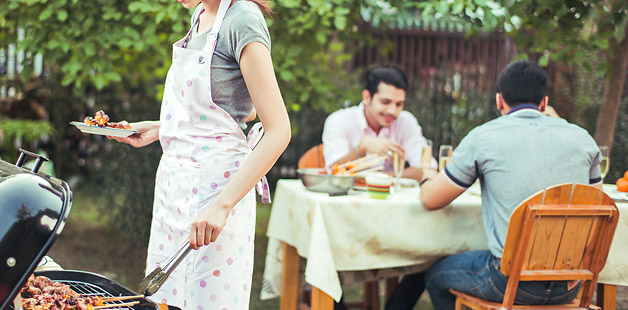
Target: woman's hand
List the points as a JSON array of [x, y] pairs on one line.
[[207, 226], [148, 132]]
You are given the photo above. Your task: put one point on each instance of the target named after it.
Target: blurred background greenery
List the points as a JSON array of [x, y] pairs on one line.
[[62, 60]]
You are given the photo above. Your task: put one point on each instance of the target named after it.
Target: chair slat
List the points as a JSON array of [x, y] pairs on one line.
[[593, 240], [556, 275], [586, 195], [573, 243], [558, 195], [542, 250], [573, 210]]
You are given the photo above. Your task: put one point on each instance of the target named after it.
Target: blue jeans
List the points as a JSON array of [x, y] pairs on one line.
[[477, 273]]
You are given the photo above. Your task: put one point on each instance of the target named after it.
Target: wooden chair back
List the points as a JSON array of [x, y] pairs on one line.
[[561, 233], [313, 158]]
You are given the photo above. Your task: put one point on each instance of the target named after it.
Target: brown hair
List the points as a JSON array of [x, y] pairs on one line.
[[264, 7]]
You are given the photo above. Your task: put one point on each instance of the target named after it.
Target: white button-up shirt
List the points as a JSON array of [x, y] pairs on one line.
[[345, 128]]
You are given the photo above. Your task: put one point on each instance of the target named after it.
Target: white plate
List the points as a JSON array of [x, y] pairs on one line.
[[475, 189], [105, 131], [406, 182], [612, 192]]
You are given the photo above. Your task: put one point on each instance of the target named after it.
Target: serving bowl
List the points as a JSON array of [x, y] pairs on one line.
[[316, 181]]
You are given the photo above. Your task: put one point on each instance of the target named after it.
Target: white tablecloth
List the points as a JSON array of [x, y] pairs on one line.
[[367, 238]]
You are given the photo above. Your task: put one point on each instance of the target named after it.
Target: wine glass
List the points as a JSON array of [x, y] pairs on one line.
[[605, 161], [398, 166], [426, 156], [444, 156]]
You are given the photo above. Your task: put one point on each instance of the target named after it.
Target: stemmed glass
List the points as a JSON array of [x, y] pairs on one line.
[[426, 156], [444, 156], [398, 166], [605, 161]]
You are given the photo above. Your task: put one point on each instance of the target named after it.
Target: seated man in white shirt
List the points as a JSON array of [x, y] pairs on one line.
[[378, 125]]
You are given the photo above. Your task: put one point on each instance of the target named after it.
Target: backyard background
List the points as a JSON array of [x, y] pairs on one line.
[[62, 60]]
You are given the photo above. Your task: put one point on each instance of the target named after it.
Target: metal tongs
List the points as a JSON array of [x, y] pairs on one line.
[[151, 284]]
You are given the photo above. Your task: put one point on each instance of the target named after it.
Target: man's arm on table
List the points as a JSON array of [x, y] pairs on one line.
[[337, 146], [439, 192], [413, 173]]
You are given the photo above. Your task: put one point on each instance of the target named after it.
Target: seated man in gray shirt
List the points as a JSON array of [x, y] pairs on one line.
[[513, 156]]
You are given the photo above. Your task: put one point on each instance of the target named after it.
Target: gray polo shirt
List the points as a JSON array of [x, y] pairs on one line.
[[517, 155], [243, 24]]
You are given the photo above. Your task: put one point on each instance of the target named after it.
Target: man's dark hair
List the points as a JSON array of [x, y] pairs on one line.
[[388, 74], [522, 82]]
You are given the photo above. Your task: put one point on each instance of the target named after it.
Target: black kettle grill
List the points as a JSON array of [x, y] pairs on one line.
[[33, 210]]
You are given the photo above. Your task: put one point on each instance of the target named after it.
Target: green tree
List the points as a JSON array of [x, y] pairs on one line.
[[114, 55], [563, 31]]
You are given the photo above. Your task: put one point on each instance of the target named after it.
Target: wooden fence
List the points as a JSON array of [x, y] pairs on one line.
[[470, 64]]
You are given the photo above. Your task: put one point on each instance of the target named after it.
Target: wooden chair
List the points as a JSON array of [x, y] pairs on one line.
[[313, 158], [561, 233]]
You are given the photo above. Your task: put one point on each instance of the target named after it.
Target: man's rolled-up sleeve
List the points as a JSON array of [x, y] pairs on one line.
[[462, 171], [335, 139]]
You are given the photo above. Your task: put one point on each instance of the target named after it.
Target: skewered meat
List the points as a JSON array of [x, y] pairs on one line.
[[101, 119], [41, 293]]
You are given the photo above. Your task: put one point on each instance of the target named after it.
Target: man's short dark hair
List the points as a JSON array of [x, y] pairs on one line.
[[522, 82], [387, 74]]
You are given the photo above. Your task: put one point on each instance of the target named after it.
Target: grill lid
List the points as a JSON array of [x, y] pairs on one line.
[[33, 210]]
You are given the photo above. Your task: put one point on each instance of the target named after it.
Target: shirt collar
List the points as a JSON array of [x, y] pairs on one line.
[[362, 118], [364, 126], [523, 108]]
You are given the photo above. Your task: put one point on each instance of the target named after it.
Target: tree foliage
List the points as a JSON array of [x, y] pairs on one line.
[[114, 55], [561, 31], [94, 43]]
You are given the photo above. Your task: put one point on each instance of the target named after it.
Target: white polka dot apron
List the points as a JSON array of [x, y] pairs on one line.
[[203, 148]]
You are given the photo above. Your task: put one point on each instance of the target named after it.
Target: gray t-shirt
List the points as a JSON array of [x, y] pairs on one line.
[[243, 24], [517, 155]]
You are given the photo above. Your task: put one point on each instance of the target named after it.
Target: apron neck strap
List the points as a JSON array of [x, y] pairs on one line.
[[212, 36]]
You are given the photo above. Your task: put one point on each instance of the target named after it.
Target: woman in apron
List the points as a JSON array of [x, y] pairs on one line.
[[221, 73]]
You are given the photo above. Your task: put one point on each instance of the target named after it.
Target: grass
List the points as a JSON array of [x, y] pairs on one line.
[[88, 244]]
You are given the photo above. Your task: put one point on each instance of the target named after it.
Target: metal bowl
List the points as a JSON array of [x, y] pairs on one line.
[[325, 183]]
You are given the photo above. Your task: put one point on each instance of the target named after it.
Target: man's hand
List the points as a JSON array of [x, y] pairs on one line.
[[380, 146]]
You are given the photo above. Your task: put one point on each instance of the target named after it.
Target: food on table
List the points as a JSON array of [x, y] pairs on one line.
[[101, 119], [342, 170], [622, 183]]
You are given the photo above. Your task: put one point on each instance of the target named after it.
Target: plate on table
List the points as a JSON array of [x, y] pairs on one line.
[[475, 189], [406, 182], [618, 196], [105, 131]]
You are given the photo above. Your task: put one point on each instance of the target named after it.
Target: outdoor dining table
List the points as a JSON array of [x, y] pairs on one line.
[[357, 238]]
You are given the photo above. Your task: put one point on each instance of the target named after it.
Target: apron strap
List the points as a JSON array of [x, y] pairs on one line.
[[212, 36], [252, 138]]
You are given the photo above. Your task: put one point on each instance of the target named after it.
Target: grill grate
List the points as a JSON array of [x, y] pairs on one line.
[[91, 284], [88, 289]]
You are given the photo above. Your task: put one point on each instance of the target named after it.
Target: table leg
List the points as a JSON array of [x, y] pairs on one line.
[[606, 296], [320, 300], [289, 295], [391, 285]]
